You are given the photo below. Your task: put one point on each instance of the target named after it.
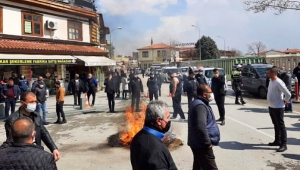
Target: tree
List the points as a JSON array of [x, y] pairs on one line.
[[256, 47], [209, 49], [278, 5], [237, 52]]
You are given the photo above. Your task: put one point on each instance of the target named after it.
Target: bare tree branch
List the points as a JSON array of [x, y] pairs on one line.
[[255, 48], [278, 5]]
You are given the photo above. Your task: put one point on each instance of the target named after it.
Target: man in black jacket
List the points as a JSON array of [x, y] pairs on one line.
[[159, 81], [288, 83], [200, 77], [136, 88], [147, 151], [217, 86], [41, 94], [92, 88], [190, 87], [110, 89], [203, 132], [28, 104], [22, 152], [76, 87], [152, 87]]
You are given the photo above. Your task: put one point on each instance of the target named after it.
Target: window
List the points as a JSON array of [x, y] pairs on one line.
[[158, 54], [145, 53], [32, 24], [164, 53], [145, 66], [1, 20], [74, 30]]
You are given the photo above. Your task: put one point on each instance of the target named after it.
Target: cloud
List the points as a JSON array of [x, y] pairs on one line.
[[123, 7]]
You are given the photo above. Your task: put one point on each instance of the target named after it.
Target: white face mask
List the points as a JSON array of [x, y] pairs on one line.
[[212, 97], [30, 107], [41, 86], [22, 77]]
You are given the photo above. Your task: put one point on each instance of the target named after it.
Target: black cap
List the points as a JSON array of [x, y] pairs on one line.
[[191, 71], [57, 82]]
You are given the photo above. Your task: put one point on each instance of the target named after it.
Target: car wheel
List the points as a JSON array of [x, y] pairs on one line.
[[262, 92]]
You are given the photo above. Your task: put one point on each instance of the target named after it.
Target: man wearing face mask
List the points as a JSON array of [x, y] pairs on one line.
[[15, 78], [110, 89], [147, 149], [152, 87], [28, 104], [136, 88], [92, 88], [190, 86], [60, 99], [23, 84], [41, 94], [35, 83], [10, 94], [159, 81], [203, 132], [22, 152], [200, 77]]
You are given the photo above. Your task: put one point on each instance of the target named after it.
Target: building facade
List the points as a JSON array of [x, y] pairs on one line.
[[51, 39]]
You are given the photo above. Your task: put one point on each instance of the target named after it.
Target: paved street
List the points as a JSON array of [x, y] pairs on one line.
[[243, 139]]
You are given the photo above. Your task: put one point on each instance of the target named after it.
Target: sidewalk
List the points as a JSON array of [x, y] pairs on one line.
[[101, 105]]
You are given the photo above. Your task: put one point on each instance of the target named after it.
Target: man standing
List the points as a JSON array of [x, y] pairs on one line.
[[217, 86], [23, 84], [237, 83], [28, 104], [152, 87], [143, 72], [200, 77], [76, 87], [136, 88], [175, 92], [10, 93], [117, 79], [159, 81], [203, 132], [190, 87], [287, 81], [35, 83], [147, 151], [276, 108], [15, 78], [296, 72], [60, 99], [41, 94], [22, 152], [110, 90], [92, 88]]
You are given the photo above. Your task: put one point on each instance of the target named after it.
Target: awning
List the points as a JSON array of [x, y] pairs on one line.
[[96, 60], [23, 59]]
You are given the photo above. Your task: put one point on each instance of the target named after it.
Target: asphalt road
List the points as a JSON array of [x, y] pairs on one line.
[[83, 140]]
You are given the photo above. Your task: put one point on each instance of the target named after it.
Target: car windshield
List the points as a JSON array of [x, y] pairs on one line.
[[171, 69], [262, 72], [184, 69], [209, 73]]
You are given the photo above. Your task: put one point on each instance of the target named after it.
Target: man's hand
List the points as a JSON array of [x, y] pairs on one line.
[[241, 85], [166, 139], [56, 155], [286, 102], [5, 97], [15, 97]]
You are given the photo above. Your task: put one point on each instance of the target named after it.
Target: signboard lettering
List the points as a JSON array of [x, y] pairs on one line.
[[36, 61], [185, 44]]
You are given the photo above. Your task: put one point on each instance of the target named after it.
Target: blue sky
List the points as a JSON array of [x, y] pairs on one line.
[[172, 19]]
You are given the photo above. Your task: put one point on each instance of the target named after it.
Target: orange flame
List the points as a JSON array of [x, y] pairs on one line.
[[135, 122]]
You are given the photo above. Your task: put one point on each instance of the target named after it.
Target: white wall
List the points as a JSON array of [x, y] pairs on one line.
[[12, 25]]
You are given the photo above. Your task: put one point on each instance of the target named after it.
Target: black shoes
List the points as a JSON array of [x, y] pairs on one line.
[[288, 111], [243, 102], [57, 122], [60, 122], [45, 123], [219, 120], [222, 123], [274, 143], [282, 148], [236, 102]]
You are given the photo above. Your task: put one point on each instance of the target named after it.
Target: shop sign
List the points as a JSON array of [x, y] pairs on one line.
[[37, 61]]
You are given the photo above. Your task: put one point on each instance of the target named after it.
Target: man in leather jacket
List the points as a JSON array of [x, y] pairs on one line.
[[28, 104]]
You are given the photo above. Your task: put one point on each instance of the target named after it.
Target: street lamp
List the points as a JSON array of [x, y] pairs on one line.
[[224, 45], [199, 40], [110, 40]]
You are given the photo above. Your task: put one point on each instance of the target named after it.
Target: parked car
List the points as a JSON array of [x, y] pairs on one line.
[[165, 73], [209, 74], [147, 72], [254, 79], [138, 70]]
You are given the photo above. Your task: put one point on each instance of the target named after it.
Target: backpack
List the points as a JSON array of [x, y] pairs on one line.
[[24, 85]]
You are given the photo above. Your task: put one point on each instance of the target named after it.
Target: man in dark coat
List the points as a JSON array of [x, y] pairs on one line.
[[92, 88], [15, 78], [203, 132], [287, 81], [190, 87], [217, 86], [136, 88], [159, 81], [200, 77], [76, 87], [117, 79], [152, 87], [22, 153], [147, 151], [28, 104], [10, 92], [110, 90], [41, 94]]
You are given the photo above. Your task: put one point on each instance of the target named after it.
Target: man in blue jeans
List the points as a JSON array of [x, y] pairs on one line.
[[10, 94], [40, 92]]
